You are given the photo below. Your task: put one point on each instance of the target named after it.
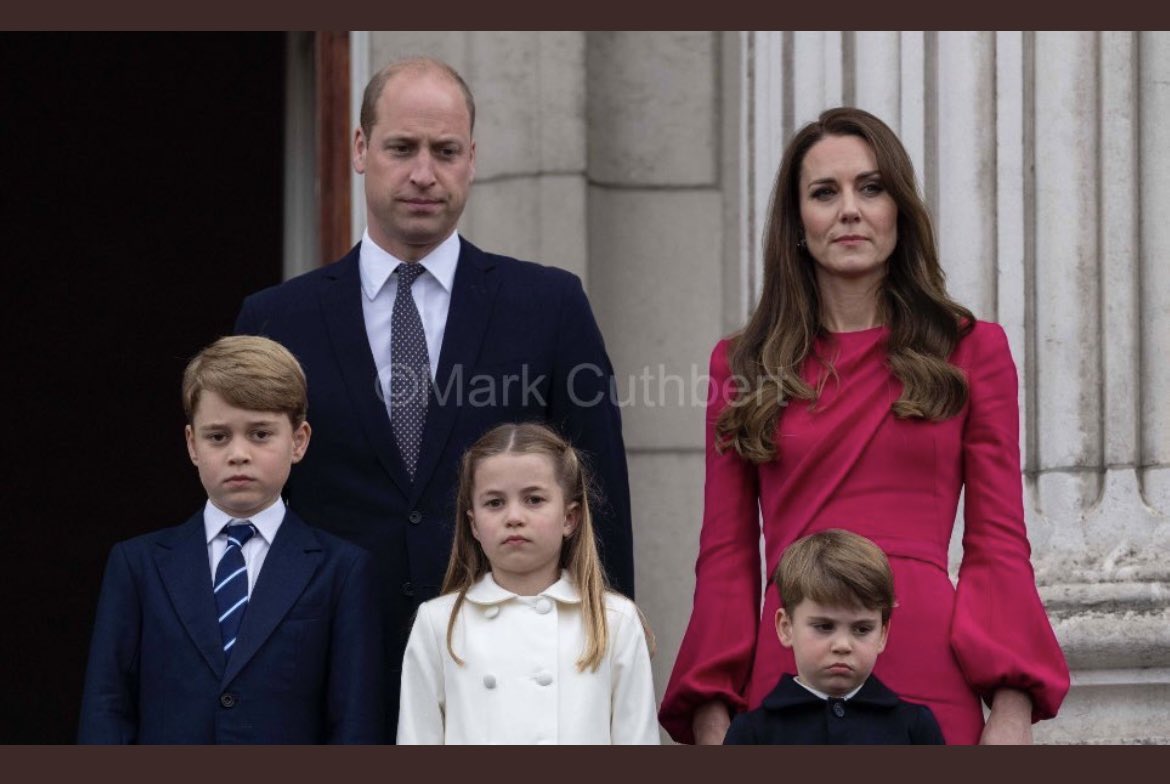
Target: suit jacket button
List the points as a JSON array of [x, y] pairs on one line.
[[491, 611], [408, 588], [227, 700], [414, 517], [489, 681], [544, 679], [542, 605]]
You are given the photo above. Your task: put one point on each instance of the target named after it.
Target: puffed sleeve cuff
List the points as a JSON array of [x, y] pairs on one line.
[[1000, 633], [1022, 654]]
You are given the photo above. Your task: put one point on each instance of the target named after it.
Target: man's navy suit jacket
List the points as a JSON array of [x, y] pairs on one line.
[[306, 666], [521, 344], [791, 714]]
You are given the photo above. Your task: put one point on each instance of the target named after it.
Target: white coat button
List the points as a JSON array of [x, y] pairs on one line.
[[543, 605], [544, 679], [491, 611], [489, 681]]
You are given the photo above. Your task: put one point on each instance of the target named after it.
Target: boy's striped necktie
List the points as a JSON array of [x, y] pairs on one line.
[[231, 583]]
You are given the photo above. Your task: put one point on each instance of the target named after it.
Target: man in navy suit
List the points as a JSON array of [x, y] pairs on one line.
[[505, 341], [243, 625]]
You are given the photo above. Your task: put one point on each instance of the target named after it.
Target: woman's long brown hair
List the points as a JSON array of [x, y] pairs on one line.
[[925, 323]]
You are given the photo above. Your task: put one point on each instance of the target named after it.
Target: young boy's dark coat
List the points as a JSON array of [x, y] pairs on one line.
[[791, 714], [306, 667]]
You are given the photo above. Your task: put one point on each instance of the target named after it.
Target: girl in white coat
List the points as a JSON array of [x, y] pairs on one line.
[[526, 644]]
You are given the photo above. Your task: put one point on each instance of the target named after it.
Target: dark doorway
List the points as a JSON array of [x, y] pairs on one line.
[[140, 200]]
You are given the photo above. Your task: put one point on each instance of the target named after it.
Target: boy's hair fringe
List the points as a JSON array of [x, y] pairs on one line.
[[838, 568], [249, 372]]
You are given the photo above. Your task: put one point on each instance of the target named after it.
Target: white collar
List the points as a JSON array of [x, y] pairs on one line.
[[824, 696], [376, 264], [486, 590], [267, 522]]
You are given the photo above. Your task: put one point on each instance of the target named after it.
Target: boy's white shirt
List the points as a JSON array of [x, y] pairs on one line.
[[255, 550], [825, 696], [519, 683]]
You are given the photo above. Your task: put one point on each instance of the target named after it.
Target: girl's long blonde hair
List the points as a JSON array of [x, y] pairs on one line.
[[579, 554]]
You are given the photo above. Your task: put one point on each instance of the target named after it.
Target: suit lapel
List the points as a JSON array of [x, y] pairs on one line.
[[341, 303], [185, 571], [472, 294], [292, 560]]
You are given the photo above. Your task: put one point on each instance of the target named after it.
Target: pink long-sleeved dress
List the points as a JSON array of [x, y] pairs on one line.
[[845, 461]]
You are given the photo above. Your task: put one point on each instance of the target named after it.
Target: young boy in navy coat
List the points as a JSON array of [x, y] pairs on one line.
[[836, 592], [243, 625]]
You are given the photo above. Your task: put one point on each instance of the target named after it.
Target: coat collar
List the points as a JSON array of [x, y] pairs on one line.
[[181, 559], [293, 559], [487, 591], [341, 306], [473, 293], [789, 694]]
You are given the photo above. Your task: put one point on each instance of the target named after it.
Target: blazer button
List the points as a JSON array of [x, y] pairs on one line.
[[414, 517], [227, 700], [544, 679], [489, 681], [839, 710], [491, 611], [543, 605], [408, 588]]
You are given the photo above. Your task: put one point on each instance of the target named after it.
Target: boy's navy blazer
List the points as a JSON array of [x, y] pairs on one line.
[[791, 714], [520, 344], [306, 666]]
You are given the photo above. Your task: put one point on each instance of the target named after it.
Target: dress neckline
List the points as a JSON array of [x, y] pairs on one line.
[[858, 334]]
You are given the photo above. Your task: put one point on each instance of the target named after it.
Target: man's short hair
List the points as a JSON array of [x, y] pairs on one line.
[[253, 373], [373, 90], [837, 568]]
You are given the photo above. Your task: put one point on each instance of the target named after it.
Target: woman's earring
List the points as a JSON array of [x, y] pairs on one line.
[[800, 243]]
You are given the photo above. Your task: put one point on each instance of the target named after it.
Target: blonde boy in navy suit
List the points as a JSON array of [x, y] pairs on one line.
[[264, 633]]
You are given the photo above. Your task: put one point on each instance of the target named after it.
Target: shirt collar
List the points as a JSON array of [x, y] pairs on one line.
[[267, 522], [487, 591], [790, 693], [376, 265], [824, 696]]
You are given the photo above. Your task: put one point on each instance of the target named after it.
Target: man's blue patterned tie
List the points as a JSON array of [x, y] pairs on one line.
[[410, 369]]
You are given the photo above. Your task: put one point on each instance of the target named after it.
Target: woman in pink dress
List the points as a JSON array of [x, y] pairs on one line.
[[861, 396]]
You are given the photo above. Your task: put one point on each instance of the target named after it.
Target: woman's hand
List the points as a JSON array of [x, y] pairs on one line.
[[1010, 722], [710, 724]]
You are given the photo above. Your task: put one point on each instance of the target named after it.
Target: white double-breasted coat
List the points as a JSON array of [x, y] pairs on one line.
[[519, 682]]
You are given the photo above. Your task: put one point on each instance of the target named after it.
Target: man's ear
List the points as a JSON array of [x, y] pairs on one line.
[[885, 634], [784, 628], [360, 147]]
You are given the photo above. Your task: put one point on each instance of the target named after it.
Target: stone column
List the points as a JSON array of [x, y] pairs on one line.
[[656, 243]]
